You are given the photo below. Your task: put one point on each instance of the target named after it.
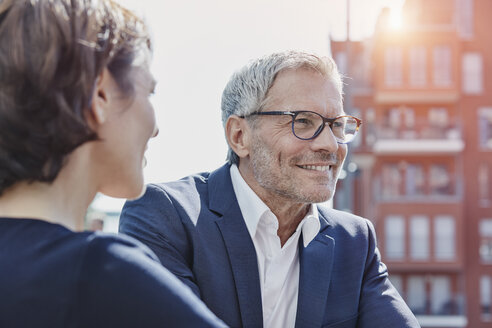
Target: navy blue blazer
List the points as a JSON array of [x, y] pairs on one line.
[[195, 227]]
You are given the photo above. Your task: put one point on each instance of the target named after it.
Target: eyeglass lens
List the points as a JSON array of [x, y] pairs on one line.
[[307, 125]]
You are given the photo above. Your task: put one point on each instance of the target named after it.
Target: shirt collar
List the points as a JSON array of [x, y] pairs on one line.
[[252, 209], [310, 225]]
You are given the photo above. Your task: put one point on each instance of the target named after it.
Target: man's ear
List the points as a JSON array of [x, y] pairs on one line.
[[238, 134], [101, 97]]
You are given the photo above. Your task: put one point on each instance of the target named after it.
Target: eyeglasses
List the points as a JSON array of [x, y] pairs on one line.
[[307, 125]]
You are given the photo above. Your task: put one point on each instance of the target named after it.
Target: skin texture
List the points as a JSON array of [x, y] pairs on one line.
[[126, 127], [273, 160]]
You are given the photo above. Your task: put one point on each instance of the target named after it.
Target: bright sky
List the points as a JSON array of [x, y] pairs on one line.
[[199, 44]]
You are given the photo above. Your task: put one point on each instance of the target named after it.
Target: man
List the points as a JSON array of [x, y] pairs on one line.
[[249, 238]]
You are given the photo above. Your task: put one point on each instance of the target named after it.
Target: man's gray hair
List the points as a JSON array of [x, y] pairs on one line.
[[247, 90]]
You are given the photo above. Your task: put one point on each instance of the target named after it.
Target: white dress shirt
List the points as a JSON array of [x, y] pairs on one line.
[[278, 266]]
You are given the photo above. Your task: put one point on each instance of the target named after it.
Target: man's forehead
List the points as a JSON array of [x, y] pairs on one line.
[[305, 86], [306, 76], [336, 104]]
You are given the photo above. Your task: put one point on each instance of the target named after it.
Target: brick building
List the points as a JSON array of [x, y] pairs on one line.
[[422, 166]]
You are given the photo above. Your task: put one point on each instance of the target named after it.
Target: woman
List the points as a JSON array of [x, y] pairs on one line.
[[75, 120]]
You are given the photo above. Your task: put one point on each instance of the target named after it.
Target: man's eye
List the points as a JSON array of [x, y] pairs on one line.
[[303, 121], [338, 124]]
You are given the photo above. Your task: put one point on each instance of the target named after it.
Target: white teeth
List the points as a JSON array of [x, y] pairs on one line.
[[316, 168]]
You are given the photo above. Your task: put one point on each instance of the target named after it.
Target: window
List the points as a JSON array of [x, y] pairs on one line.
[[440, 298], [484, 184], [416, 297], [399, 123], [444, 238], [391, 180], [393, 67], [369, 127], [485, 250], [361, 70], [442, 66], [439, 180], [394, 231], [419, 237], [414, 180], [418, 67], [394, 117], [432, 294], [485, 127], [438, 126], [397, 282], [485, 297], [408, 118], [438, 117], [472, 71], [464, 11], [400, 117]]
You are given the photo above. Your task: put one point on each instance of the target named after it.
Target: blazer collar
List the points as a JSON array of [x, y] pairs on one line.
[[240, 247], [316, 263], [220, 191]]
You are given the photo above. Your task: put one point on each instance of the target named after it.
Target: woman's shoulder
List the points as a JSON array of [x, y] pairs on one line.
[[103, 246], [124, 277]]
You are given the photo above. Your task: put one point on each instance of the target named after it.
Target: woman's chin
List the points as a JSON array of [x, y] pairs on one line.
[[133, 190], [141, 193]]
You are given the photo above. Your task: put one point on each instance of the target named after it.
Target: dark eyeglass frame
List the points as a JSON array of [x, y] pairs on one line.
[[294, 114]]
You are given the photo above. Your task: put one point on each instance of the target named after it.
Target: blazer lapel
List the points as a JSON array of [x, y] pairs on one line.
[[316, 262], [240, 247]]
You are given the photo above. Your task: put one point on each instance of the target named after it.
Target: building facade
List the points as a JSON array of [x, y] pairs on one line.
[[422, 167]]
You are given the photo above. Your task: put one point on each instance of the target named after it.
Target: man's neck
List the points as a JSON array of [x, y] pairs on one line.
[[288, 215]]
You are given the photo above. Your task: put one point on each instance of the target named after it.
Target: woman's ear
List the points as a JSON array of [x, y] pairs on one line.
[[238, 134], [101, 97]]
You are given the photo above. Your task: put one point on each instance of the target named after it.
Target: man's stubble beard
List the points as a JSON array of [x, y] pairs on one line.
[[267, 171]]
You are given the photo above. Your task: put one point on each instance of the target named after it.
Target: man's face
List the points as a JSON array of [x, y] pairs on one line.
[[283, 166]]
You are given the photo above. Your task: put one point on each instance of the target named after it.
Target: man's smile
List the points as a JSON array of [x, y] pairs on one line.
[[321, 168]]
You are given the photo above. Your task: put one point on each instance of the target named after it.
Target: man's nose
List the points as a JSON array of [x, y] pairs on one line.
[[326, 140]]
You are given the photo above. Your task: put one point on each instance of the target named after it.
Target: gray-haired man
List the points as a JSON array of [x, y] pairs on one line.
[[249, 238]]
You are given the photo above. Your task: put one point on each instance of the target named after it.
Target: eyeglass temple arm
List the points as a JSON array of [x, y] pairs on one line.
[[269, 113], [331, 120]]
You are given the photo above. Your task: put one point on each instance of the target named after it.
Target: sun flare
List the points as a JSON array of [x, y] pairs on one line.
[[395, 19]]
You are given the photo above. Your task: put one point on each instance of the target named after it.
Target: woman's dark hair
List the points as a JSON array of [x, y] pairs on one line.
[[51, 54]]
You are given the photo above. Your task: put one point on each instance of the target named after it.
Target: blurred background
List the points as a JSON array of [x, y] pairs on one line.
[[418, 73]]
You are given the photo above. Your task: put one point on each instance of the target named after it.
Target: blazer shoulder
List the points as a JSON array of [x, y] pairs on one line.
[[195, 181], [344, 221], [173, 191], [184, 198]]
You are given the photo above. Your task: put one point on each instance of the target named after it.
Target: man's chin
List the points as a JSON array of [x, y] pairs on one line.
[[321, 199], [320, 196]]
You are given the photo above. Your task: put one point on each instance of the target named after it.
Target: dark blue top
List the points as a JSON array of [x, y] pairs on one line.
[[53, 277]]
